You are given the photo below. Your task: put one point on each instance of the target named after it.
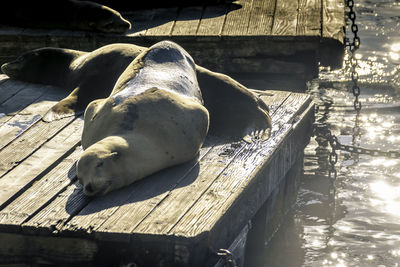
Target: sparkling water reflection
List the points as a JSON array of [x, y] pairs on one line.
[[356, 222]]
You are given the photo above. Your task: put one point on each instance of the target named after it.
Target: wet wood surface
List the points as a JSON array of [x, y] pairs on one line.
[[177, 214]]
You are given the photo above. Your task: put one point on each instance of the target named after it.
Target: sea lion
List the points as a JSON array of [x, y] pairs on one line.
[[88, 75], [154, 118], [63, 14], [234, 111]]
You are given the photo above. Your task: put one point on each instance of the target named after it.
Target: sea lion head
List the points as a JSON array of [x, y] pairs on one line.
[[44, 65], [98, 169], [102, 18]]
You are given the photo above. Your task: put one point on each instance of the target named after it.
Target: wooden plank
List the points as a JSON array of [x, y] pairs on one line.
[[212, 21], [51, 218], [29, 142], [309, 18], [27, 117], [237, 21], [262, 15], [8, 89], [333, 19], [228, 188], [285, 18], [188, 21], [40, 162], [163, 22], [20, 100], [40, 193]]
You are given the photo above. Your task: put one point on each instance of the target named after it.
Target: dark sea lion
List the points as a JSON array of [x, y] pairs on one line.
[[63, 14], [154, 118], [88, 75], [234, 111], [129, 5]]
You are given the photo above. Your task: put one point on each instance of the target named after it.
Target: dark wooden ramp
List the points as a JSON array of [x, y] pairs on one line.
[[177, 217], [273, 39]]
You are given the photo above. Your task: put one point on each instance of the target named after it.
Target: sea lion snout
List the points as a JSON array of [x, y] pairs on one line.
[[9, 68]]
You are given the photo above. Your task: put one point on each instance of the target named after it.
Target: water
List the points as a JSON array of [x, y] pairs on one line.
[[355, 221]]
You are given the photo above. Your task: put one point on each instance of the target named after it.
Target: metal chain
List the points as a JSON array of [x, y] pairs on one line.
[[353, 47], [227, 256], [366, 151], [323, 131]]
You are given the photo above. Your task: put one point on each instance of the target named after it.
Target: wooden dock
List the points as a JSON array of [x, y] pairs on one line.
[[274, 40], [178, 217]]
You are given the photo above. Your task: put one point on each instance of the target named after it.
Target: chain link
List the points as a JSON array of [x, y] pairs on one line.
[[353, 47], [229, 259]]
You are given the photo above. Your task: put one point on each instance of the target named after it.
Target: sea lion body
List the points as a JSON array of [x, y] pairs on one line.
[[88, 75], [234, 111], [154, 118]]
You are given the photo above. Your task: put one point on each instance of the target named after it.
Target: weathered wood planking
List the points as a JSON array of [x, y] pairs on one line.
[[185, 210], [285, 18], [263, 37]]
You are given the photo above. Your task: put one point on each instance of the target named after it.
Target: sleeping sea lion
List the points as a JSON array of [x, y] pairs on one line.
[[234, 111], [154, 118], [88, 75], [63, 14]]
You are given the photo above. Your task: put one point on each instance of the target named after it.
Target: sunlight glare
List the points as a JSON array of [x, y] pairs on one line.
[[395, 47], [388, 196]]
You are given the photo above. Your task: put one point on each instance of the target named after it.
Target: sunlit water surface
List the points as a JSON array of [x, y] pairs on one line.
[[356, 222]]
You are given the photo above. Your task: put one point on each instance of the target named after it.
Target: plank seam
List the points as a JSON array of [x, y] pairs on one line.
[[224, 22], [174, 23], [19, 90], [273, 17], [39, 176], [201, 18], [35, 122], [36, 149]]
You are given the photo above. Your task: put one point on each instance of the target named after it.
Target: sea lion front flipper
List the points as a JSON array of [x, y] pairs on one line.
[[67, 107]]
